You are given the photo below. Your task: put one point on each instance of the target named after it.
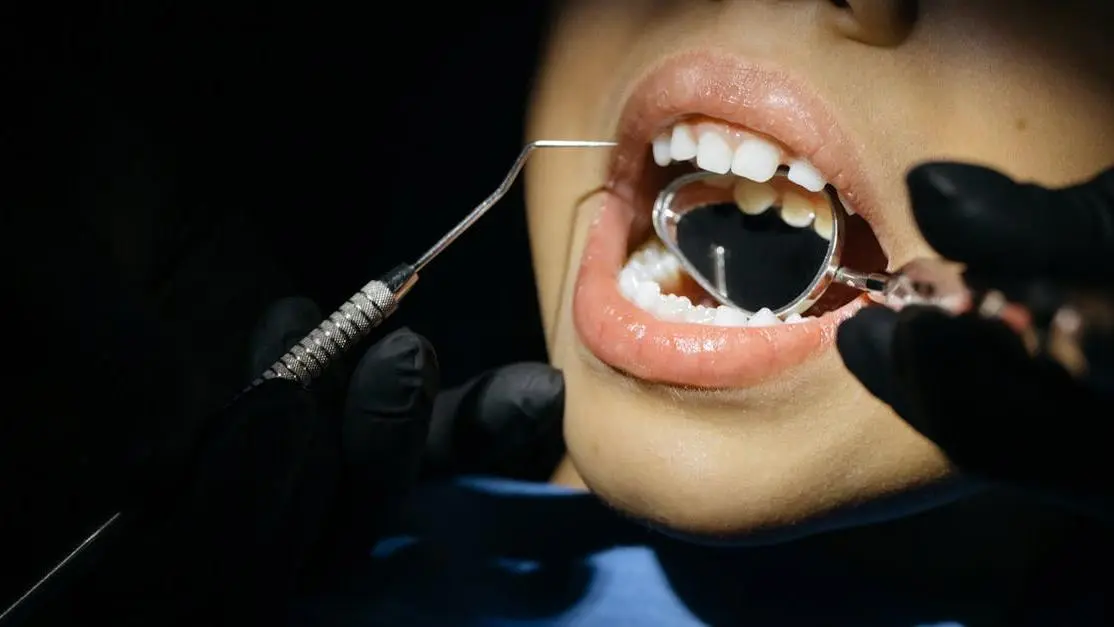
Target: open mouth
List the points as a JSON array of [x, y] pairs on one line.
[[771, 233], [634, 306]]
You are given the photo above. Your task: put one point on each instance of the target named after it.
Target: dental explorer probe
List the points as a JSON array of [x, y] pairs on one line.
[[377, 300], [351, 322]]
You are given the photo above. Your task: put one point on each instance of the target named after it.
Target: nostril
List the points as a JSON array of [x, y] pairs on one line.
[[882, 23]]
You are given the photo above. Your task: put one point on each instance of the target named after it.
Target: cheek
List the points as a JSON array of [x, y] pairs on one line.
[[1040, 130], [1004, 92]]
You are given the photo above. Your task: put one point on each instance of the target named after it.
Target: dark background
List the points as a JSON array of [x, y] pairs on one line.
[[175, 168], [299, 149], [203, 159]]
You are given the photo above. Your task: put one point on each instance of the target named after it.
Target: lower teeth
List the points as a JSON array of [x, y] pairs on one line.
[[651, 266]]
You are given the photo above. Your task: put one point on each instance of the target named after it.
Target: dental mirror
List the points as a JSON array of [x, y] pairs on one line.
[[781, 251]]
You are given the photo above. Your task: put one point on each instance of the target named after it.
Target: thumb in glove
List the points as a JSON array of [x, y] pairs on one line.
[[381, 421], [386, 408], [1001, 228], [505, 422], [969, 385]]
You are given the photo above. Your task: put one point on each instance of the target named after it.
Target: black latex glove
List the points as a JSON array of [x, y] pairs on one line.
[[967, 383], [286, 489]]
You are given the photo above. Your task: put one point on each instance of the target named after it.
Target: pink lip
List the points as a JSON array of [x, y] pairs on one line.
[[632, 340]]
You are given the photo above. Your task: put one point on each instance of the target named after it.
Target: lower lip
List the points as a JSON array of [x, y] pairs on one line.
[[631, 340]]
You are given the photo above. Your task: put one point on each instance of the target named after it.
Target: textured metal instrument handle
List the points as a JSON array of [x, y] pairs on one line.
[[349, 324]]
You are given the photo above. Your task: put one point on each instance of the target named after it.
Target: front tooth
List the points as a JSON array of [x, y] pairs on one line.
[[794, 318], [754, 198], [806, 175], [763, 318], [663, 150], [823, 222], [756, 159], [682, 144], [729, 317], [846, 204], [796, 210], [713, 154]]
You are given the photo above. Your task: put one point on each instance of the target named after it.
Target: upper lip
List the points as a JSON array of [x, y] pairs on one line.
[[755, 96]]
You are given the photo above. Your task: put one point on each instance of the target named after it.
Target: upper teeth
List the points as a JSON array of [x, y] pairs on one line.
[[720, 150], [713, 153], [754, 160], [682, 144]]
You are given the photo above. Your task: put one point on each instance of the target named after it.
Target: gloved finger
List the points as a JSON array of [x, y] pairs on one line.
[[995, 225], [386, 420], [936, 371], [865, 342], [236, 537], [994, 410], [506, 422]]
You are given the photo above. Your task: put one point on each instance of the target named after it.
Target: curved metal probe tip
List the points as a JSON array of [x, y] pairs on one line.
[[376, 301], [501, 191]]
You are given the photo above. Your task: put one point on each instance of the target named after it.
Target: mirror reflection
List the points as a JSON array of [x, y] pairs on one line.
[[759, 244]]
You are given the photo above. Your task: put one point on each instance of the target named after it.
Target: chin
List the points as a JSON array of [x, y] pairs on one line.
[[748, 466]]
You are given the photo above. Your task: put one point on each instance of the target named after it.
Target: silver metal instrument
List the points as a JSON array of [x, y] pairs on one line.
[[377, 300], [926, 282], [1083, 319], [351, 322]]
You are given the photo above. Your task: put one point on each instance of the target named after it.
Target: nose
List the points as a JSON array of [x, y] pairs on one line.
[[884, 23]]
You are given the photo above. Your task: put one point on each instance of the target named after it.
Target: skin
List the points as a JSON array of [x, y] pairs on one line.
[[1019, 86]]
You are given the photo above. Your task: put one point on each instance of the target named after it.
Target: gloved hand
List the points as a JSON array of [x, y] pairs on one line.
[[967, 383], [290, 484]]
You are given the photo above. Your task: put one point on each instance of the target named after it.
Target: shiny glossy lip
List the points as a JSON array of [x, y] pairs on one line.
[[633, 341]]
